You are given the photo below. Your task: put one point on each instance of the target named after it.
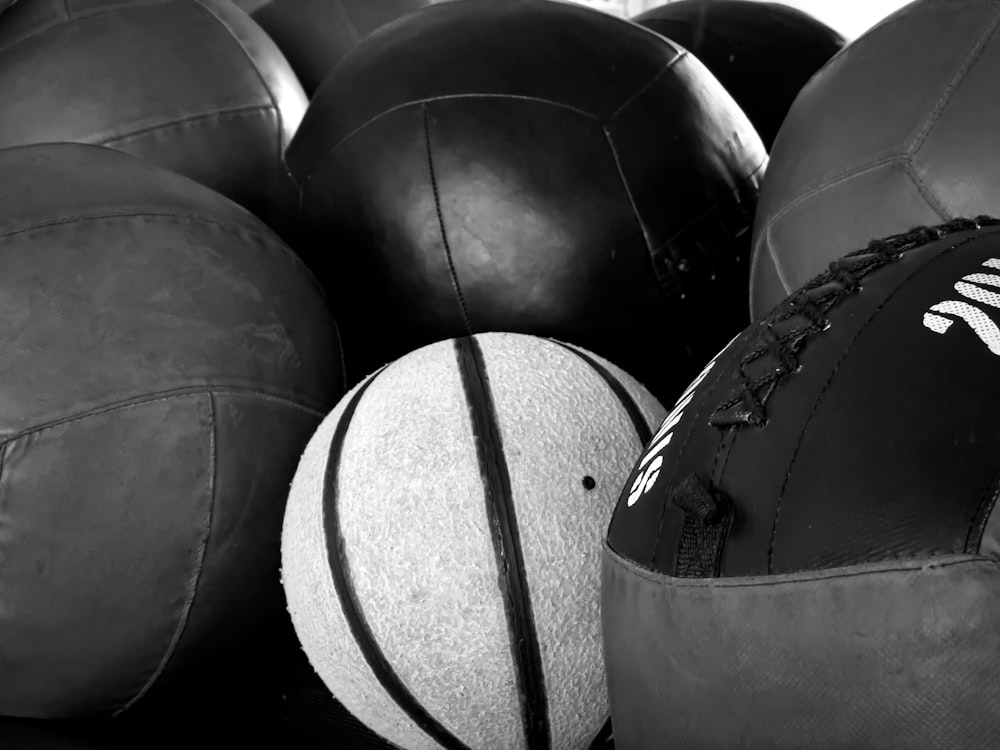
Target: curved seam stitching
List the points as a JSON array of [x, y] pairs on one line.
[[773, 255], [837, 179], [192, 596], [988, 497], [952, 87], [727, 442], [3, 464], [431, 100], [253, 64], [631, 201], [340, 359], [682, 53], [918, 565], [143, 214], [668, 320], [829, 382], [720, 201], [925, 191], [211, 117], [169, 395], [225, 226], [908, 170], [441, 226], [695, 419], [72, 19]]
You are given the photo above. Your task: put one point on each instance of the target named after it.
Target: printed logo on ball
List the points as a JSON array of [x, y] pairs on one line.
[[971, 287], [651, 461]]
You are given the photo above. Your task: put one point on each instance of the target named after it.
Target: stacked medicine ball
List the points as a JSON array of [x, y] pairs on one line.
[[335, 346]]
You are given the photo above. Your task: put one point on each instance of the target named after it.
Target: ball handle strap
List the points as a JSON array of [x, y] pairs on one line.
[[708, 517]]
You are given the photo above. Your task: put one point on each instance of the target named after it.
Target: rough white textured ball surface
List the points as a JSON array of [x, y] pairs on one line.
[[420, 547]]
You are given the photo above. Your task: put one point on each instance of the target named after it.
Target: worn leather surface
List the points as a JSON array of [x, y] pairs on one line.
[[264, 693], [191, 85], [762, 52], [315, 34], [900, 654], [164, 358], [896, 129], [449, 188]]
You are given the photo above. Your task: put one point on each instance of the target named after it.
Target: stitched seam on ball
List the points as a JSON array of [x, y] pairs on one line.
[[606, 121], [701, 216], [930, 198], [695, 420], [773, 255], [953, 85], [988, 497], [195, 579], [188, 121], [3, 505], [253, 64], [722, 200], [809, 306], [73, 19], [243, 48], [230, 228], [431, 100], [727, 441], [834, 181], [340, 354], [785, 579], [441, 226], [631, 202], [69, 19], [829, 381], [169, 395]]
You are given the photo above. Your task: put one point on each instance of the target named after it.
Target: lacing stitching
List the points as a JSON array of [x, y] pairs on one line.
[[808, 312]]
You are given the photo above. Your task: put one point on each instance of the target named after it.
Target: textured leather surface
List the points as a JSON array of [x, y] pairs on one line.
[[449, 188], [263, 693], [191, 85], [896, 128], [163, 360], [315, 34], [877, 447], [762, 52], [891, 655]]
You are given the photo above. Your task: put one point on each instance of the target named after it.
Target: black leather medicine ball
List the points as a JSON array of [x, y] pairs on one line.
[[806, 555], [763, 53], [534, 167]]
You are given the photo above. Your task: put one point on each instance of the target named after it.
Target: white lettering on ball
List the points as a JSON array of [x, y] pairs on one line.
[[653, 456], [981, 324]]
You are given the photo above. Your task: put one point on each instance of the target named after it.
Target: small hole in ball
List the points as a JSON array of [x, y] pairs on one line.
[[589, 483]]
